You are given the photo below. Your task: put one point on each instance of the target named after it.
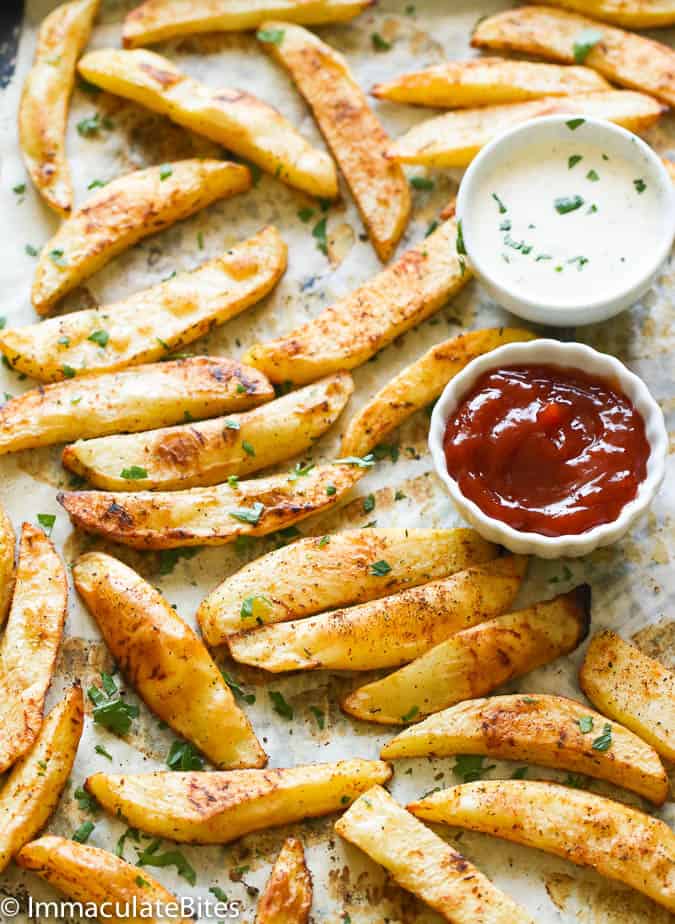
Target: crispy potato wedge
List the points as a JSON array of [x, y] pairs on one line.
[[124, 212], [352, 330], [617, 841], [552, 731], [198, 454], [419, 384], [475, 661], [625, 58], [632, 688], [633, 14], [7, 566], [30, 644], [454, 139], [33, 788], [239, 121], [144, 327], [219, 807], [43, 111], [351, 129], [386, 632], [419, 861], [208, 516], [287, 898]]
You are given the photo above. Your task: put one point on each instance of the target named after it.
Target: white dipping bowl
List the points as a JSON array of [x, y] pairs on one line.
[[565, 355]]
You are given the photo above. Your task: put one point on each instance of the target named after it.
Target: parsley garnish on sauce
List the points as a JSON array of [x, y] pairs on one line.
[[566, 204]]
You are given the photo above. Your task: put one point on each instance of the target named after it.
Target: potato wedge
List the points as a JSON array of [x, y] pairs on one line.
[[124, 212], [287, 898], [199, 454], [316, 574], [239, 121], [209, 516], [352, 330], [617, 841], [351, 129], [219, 807], [30, 644], [552, 731], [475, 661], [33, 788], [633, 14], [147, 325], [7, 566], [631, 688], [419, 384], [43, 111], [630, 60], [454, 139], [386, 632], [419, 861]]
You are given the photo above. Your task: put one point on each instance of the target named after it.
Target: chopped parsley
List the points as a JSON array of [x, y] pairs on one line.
[[271, 36], [169, 558], [379, 43], [248, 607], [96, 184], [47, 521], [331, 490], [91, 126], [248, 448], [113, 714], [585, 724], [165, 171], [101, 337], [86, 801], [604, 741], [183, 756], [640, 185], [566, 204], [360, 461], [150, 857], [431, 228], [520, 773], [280, 706], [500, 204], [421, 182], [410, 714], [369, 503], [461, 249], [237, 689], [319, 716], [380, 568], [584, 43], [593, 176], [470, 767], [248, 514], [83, 833], [134, 473], [319, 235], [19, 189], [102, 751], [573, 124], [305, 214], [31, 251], [57, 257], [232, 424]]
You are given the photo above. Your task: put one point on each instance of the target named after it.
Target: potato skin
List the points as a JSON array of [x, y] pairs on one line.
[[632, 14], [7, 565], [287, 898]]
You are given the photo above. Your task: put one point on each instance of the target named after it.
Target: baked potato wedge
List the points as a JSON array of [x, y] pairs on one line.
[[287, 898], [7, 566], [631, 688], [148, 325], [124, 212], [43, 110], [209, 516], [633, 14], [552, 731], [199, 454], [352, 330], [419, 384], [419, 861], [30, 643], [219, 807], [630, 60], [34, 785], [386, 632], [475, 661], [352, 131], [617, 841]]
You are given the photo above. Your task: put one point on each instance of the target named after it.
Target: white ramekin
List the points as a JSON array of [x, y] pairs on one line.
[[570, 355]]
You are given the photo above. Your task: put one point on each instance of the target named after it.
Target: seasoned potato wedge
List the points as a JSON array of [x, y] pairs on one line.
[[144, 327], [633, 14], [419, 861], [30, 644], [43, 111], [7, 566], [617, 841], [505, 647], [209, 516], [552, 731], [632, 688], [33, 788], [287, 898], [198, 454], [351, 129], [386, 632], [623, 57], [219, 807], [361, 323], [124, 212], [239, 121], [419, 384]]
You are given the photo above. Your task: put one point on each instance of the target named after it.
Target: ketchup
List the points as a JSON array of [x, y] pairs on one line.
[[547, 449]]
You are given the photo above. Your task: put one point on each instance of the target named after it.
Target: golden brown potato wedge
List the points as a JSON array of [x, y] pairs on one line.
[[43, 111], [633, 14], [632, 688], [386, 632], [419, 384], [7, 566], [124, 212], [617, 841], [361, 323], [219, 807], [351, 129], [552, 731], [209, 516], [33, 788], [30, 644], [199, 454], [419, 861], [625, 58], [148, 325], [239, 121], [287, 898], [475, 661]]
